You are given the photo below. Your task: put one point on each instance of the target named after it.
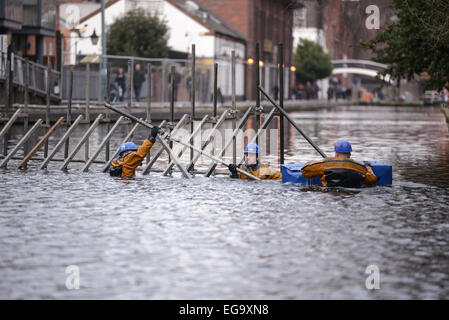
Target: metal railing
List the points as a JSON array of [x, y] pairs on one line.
[[38, 75], [121, 87]]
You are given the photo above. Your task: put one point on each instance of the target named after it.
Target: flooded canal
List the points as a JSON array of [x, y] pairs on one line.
[[161, 237]]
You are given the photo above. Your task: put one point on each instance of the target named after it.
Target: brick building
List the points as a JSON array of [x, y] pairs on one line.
[[344, 23], [268, 22], [31, 26]]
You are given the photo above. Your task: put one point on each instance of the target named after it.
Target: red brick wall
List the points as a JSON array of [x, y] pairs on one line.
[[268, 21]]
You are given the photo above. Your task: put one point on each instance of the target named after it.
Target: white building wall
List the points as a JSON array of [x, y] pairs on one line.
[[183, 30], [316, 35], [223, 50]]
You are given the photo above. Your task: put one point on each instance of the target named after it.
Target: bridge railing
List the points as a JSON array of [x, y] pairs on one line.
[[38, 75], [357, 63]]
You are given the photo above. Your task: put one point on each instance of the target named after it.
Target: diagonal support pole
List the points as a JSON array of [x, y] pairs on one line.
[[231, 140], [261, 129], [10, 122], [207, 141], [293, 123], [40, 143], [194, 133], [61, 142], [81, 142], [20, 143], [128, 136], [180, 123], [105, 140]]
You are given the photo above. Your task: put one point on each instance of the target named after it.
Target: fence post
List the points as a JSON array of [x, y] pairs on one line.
[[281, 101], [7, 100], [215, 88], [149, 84], [87, 92], [193, 87], [25, 102], [257, 89], [108, 119], [69, 112], [234, 142], [172, 95], [129, 85], [163, 81], [10, 84], [47, 109]]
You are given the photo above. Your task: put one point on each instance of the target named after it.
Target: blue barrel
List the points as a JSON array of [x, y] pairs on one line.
[[292, 173]]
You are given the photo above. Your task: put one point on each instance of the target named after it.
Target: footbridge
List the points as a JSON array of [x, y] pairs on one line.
[[360, 67]]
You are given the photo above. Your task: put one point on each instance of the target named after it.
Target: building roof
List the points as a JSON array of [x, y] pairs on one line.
[[195, 10], [203, 15]]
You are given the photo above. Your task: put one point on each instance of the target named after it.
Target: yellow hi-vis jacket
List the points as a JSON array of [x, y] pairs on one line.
[[132, 160], [263, 171], [326, 167]]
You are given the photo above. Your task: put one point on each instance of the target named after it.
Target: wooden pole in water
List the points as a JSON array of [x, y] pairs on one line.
[[8, 103], [69, 112], [87, 117], [285, 114], [215, 88], [172, 103], [26, 101], [47, 109], [150, 96], [107, 118], [257, 91], [172, 95], [192, 93], [149, 85], [281, 102], [234, 108]]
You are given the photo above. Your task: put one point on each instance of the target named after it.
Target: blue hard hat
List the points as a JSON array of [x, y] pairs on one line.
[[252, 148], [127, 146], [343, 146]]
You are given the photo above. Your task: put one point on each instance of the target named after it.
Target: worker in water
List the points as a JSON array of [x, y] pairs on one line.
[[130, 157], [253, 166], [341, 170]]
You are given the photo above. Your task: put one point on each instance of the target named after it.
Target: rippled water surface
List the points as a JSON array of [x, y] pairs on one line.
[[161, 237]]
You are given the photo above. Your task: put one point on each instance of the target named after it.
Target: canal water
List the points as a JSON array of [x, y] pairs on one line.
[[161, 237]]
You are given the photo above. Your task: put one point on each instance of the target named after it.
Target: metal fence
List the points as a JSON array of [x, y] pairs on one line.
[[123, 76], [123, 80]]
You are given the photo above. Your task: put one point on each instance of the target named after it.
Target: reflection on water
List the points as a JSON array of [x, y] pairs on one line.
[[169, 238]]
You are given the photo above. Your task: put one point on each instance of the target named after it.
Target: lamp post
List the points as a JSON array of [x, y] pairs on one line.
[[93, 38]]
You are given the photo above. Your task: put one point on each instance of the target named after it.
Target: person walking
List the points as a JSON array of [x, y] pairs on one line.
[[138, 80], [121, 82]]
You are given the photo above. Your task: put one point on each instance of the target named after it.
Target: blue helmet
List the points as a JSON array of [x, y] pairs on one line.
[[343, 146], [252, 148], [127, 146]]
